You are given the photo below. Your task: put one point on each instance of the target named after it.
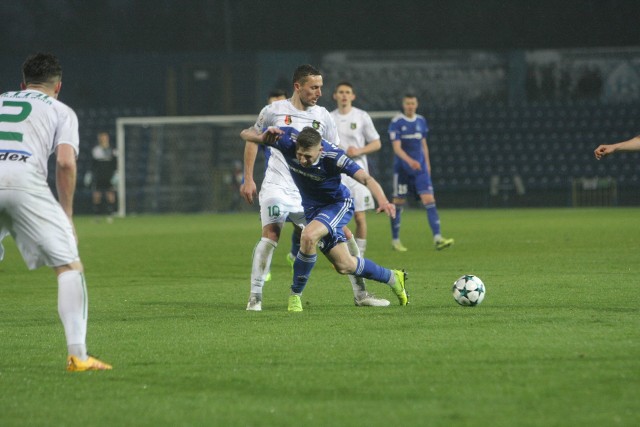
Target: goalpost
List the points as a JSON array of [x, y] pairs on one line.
[[187, 164]]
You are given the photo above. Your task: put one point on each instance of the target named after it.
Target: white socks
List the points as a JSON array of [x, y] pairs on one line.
[[262, 254], [357, 283], [362, 245], [73, 308]]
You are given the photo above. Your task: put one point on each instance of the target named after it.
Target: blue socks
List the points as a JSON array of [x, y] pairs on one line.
[[434, 219], [302, 267], [370, 270], [365, 268], [395, 224], [295, 243]]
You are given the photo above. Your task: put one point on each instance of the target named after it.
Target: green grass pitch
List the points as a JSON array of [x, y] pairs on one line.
[[556, 341]]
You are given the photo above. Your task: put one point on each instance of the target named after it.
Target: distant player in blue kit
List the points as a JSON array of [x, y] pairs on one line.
[[316, 167], [412, 170]]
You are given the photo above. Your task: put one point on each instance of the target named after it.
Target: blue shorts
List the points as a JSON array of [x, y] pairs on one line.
[[334, 217], [404, 183]]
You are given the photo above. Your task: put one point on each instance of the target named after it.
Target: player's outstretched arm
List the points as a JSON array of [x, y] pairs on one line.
[[378, 193], [631, 145], [267, 137]]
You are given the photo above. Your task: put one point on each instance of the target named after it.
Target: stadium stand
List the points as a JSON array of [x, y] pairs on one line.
[[547, 145]]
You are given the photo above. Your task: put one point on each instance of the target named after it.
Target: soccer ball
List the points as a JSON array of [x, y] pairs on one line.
[[468, 290]]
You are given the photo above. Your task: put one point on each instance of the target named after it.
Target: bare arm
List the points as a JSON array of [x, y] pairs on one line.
[[378, 193], [66, 172], [425, 148], [268, 137], [248, 188], [397, 149], [369, 148], [251, 135], [631, 145], [66, 175]]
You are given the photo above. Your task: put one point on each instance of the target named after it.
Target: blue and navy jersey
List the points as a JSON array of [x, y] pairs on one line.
[[319, 184], [410, 133]]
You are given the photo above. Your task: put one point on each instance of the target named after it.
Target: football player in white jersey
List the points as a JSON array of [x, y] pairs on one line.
[[358, 137], [33, 126], [248, 191], [279, 197]]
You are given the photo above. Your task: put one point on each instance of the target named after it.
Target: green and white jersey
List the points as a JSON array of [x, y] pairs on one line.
[[356, 129], [283, 113], [32, 125]]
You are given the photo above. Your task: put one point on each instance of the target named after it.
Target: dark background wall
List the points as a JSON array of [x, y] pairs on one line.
[[222, 56], [142, 26], [495, 77]]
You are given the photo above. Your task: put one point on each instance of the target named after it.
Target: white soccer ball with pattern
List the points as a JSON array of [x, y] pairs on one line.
[[468, 290]]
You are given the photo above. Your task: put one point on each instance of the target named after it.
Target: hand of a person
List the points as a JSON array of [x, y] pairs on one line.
[[248, 190], [353, 152], [602, 151], [415, 165], [388, 208], [271, 135]]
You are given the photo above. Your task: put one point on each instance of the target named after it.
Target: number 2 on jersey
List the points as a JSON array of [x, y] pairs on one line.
[[25, 110]]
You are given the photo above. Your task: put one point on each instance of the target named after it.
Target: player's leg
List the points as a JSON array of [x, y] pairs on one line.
[[111, 201], [34, 216], [277, 205], [400, 188], [362, 201], [325, 229], [361, 297], [345, 263], [360, 218], [96, 200], [425, 190], [273, 215], [73, 311], [261, 263], [305, 261], [295, 245]]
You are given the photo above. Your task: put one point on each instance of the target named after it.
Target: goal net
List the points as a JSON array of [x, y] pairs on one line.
[[187, 164]]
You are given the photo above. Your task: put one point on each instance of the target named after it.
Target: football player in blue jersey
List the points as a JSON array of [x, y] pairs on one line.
[[316, 167], [412, 170]]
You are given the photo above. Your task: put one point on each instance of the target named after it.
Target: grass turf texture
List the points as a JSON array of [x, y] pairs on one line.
[[556, 342]]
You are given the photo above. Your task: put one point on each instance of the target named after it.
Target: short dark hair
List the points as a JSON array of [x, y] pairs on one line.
[[41, 68], [344, 83], [409, 95], [308, 137], [303, 71], [277, 93]]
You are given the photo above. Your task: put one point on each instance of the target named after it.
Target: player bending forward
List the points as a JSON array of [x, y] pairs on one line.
[[316, 167]]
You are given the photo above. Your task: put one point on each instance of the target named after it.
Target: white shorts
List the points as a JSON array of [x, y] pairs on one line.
[[277, 205], [39, 226], [362, 198]]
